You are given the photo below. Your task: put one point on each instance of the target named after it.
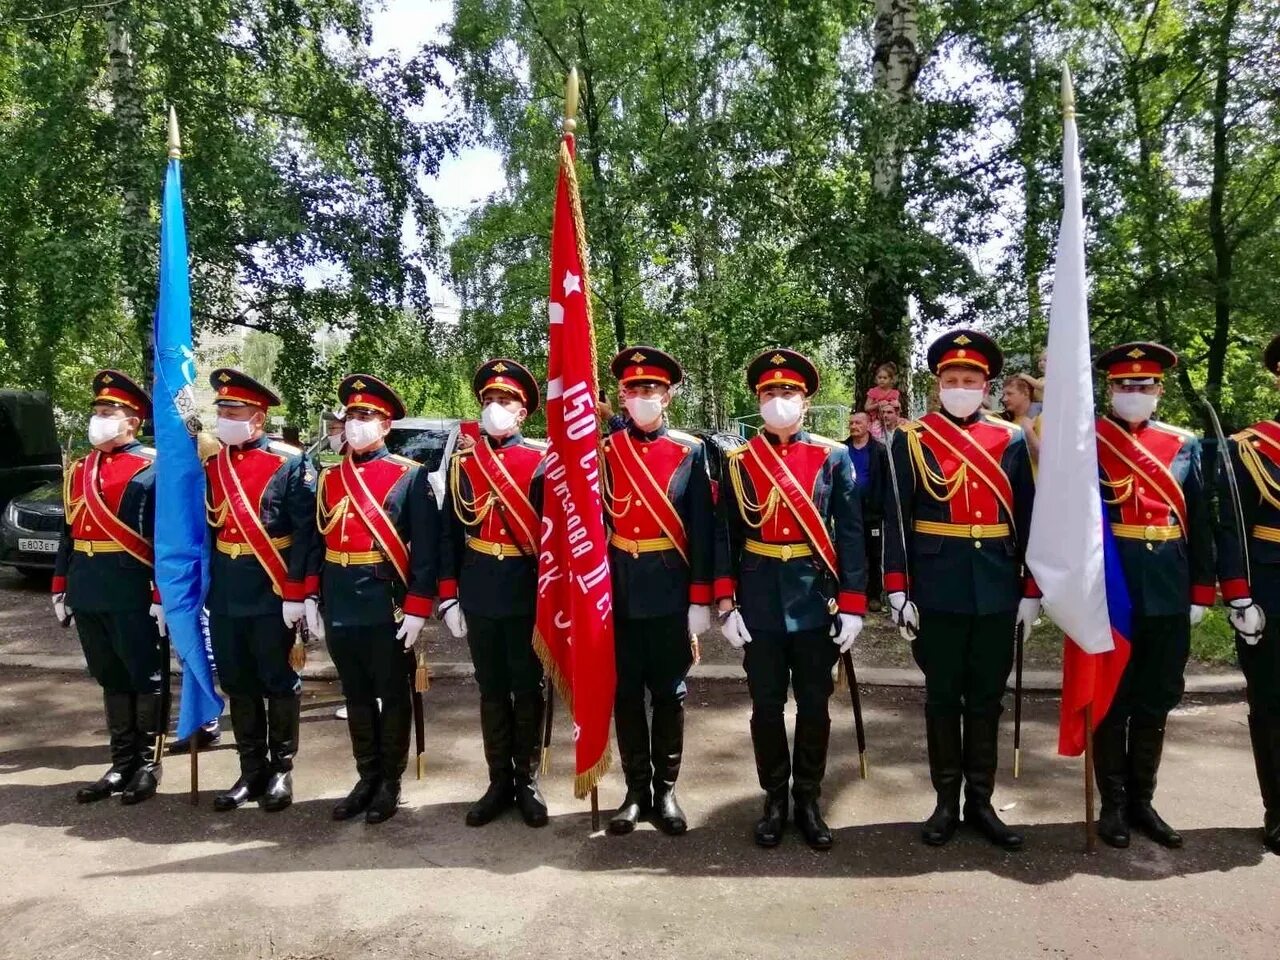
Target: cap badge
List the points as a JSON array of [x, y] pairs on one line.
[[963, 340], [638, 357], [224, 377], [107, 378], [500, 367], [1136, 352], [777, 359], [358, 385]]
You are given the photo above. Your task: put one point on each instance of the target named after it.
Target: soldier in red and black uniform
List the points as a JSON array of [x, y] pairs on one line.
[[488, 584], [374, 573], [1249, 571], [964, 495], [1159, 513], [790, 579], [260, 506], [658, 505], [103, 582]]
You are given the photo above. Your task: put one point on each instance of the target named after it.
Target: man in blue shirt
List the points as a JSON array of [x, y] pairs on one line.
[[869, 467]]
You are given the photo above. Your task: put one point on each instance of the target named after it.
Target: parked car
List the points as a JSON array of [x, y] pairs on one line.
[[30, 530], [30, 482]]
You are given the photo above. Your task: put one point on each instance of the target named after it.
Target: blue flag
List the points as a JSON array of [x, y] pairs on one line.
[[181, 544]]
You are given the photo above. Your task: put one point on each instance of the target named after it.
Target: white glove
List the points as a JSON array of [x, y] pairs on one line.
[[61, 611], [292, 611], [315, 623], [845, 630], [157, 614], [904, 614], [699, 619], [454, 619], [410, 627], [1247, 619], [1197, 613], [1028, 614], [735, 631]]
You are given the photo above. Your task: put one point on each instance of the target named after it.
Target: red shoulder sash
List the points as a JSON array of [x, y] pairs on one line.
[[250, 522], [796, 498], [375, 518], [525, 525], [655, 497], [973, 455], [1146, 465], [130, 539]]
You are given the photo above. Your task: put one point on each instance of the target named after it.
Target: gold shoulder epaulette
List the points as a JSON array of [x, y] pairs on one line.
[[738, 451], [403, 461], [682, 436], [1000, 422], [279, 446], [822, 441], [1170, 428], [1242, 435], [912, 425]]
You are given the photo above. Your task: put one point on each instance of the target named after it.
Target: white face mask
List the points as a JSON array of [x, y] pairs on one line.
[[103, 430], [782, 413], [961, 402], [362, 434], [498, 421], [233, 432], [644, 410], [1134, 407], [335, 442]]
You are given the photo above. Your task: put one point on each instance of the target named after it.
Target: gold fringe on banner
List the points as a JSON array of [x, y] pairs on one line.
[[297, 655], [584, 783], [551, 668], [842, 678]]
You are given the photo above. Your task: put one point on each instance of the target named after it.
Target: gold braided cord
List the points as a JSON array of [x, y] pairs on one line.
[[610, 500], [71, 507], [935, 484], [1253, 465], [461, 503], [1123, 489], [570, 171], [326, 520], [765, 510]]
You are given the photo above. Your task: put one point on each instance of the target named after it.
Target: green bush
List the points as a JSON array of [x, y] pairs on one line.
[[1213, 641]]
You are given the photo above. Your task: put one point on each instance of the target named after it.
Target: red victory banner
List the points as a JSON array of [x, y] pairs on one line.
[[574, 636]]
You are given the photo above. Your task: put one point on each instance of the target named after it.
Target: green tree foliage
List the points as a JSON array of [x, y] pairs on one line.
[[304, 174]]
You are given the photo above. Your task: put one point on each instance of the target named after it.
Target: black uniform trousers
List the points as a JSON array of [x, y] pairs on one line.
[[966, 659], [502, 652], [252, 656], [122, 650], [652, 654], [1153, 680], [802, 659], [373, 665]]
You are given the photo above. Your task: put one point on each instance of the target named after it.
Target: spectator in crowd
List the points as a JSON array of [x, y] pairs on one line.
[[1018, 399], [885, 389], [610, 421], [886, 420], [870, 464]]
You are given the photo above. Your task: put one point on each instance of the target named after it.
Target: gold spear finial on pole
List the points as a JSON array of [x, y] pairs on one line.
[[1068, 93], [571, 101], [175, 141]]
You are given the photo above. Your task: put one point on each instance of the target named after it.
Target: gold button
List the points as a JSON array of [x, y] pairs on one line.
[[1150, 546], [784, 451], [88, 526], [973, 484], [239, 456], [644, 449], [635, 529], [978, 514], [977, 544], [785, 531], [502, 456], [639, 503], [1148, 514], [232, 530], [345, 538], [1142, 489], [108, 459]]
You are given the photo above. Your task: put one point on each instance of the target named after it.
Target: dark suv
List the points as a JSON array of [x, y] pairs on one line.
[[30, 483]]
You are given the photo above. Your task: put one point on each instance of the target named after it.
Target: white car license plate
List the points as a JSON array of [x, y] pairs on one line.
[[30, 545]]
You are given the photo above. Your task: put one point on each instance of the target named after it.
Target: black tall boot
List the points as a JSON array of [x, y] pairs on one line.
[[1265, 734], [397, 723], [980, 754], [496, 724], [146, 776], [525, 754], [667, 751], [946, 771], [1146, 745], [773, 767], [249, 724], [283, 718], [631, 726], [1110, 766], [363, 722], [809, 763], [119, 708]]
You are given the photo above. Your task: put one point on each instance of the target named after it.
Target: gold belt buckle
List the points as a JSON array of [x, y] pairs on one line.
[[1149, 532], [496, 550], [346, 558], [975, 531], [235, 551], [786, 552], [89, 547]]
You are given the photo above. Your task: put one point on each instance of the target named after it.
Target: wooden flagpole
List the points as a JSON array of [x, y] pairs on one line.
[[1090, 828]]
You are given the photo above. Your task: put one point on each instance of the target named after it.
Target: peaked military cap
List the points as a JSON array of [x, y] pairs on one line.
[[645, 365], [112, 386], [359, 391], [509, 377], [965, 348], [780, 367], [1136, 361], [233, 388]]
